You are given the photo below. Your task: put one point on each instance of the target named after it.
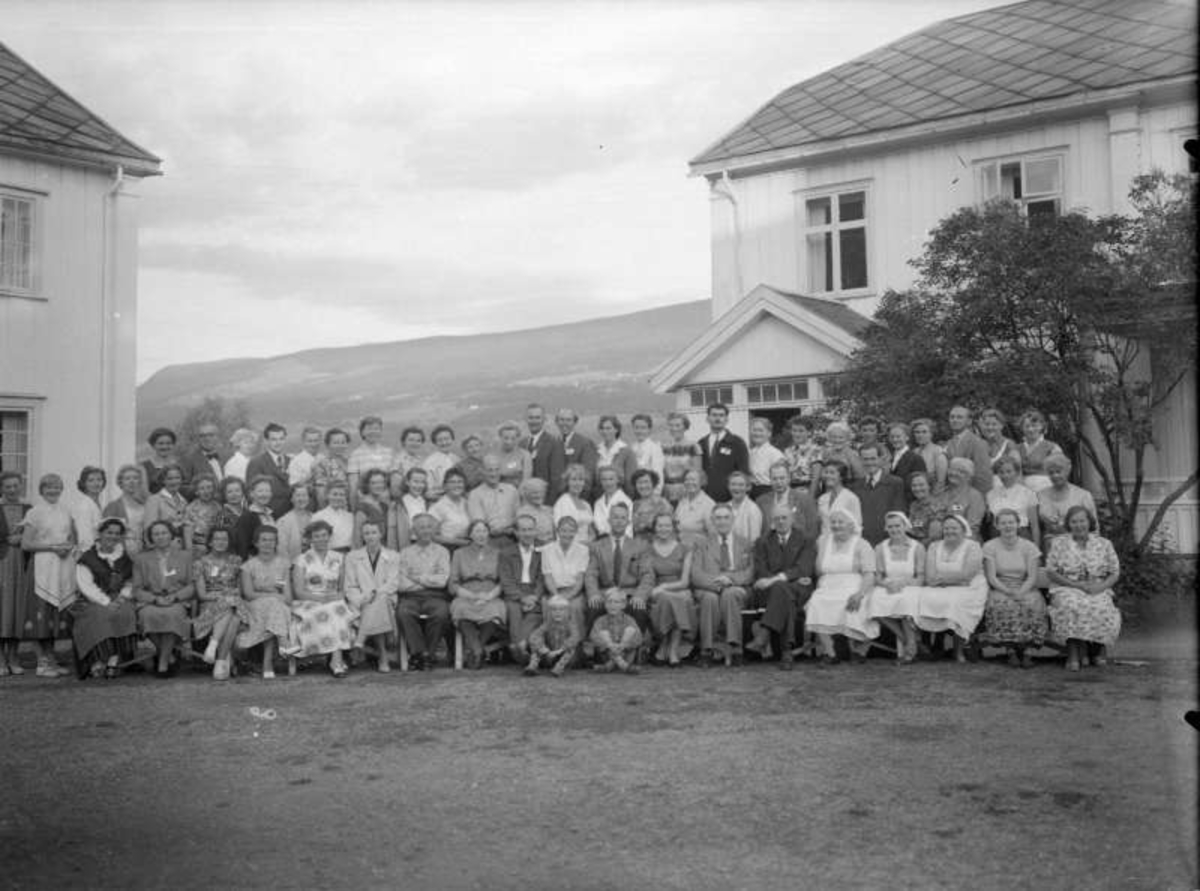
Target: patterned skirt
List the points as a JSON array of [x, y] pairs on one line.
[[320, 628], [1077, 615], [24, 615], [214, 610], [266, 617], [1014, 621]]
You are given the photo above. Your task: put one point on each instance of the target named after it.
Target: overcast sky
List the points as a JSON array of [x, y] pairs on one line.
[[363, 171]]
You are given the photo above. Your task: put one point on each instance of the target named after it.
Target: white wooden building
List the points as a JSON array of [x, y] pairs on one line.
[[832, 187], [68, 280]]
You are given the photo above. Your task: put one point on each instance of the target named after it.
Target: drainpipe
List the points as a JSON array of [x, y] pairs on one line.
[[724, 188], [107, 320]]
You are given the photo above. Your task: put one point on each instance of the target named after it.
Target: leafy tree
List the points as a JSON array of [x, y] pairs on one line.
[[1070, 315], [227, 414]]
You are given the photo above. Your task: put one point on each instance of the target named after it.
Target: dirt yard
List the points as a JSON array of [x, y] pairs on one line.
[[931, 776]]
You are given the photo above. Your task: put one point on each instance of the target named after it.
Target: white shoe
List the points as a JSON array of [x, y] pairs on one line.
[[49, 669], [210, 652], [220, 670], [269, 674]]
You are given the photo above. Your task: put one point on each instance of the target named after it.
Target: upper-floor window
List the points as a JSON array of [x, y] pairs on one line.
[[835, 241], [18, 248], [1035, 183]]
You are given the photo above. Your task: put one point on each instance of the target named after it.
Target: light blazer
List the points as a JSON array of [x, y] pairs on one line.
[[360, 581], [706, 563]]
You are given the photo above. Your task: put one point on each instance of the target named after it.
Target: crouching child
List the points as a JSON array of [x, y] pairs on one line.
[[554, 643], [615, 636]]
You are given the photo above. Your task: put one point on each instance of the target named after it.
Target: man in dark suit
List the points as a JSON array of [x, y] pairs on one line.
[[722, 571], [879, 493], [208, 458], [784, 566], [804, 509], [965, 443], [273, 464], [548, 458], [722, 453], [578, 449], [614, 562], [522, 586], [905, 461]]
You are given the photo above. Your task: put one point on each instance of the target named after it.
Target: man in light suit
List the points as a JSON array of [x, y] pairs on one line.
[[722, 453], [964, 443], [804, 509], [208, 458], [722, 570], [543, 445], [273, 464], [878, 493], [784, 566], [372, 581], [522, 586], [578, 449], [614, 563]]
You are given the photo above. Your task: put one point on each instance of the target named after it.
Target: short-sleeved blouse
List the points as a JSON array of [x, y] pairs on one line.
[[678, 458], [565, 570], [267, 576], [220, 573], [452, 517], [320, 576], [475, 568], [694, 515], [581, 512], [1094, 560], [1010, 564]]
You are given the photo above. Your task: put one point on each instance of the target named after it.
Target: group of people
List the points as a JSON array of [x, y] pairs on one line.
[[557, 550]]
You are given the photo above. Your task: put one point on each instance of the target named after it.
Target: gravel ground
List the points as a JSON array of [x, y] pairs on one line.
[[925, 777]]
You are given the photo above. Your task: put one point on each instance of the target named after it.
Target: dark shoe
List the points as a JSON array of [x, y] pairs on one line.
[[472, 661], [737, 660], [829, 660], [859, 658], [787, 663], [705, 659]]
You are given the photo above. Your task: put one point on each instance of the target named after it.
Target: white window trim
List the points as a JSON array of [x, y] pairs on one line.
[[803, 196], [33, 405], [1180, 157], [785, 403], [1060, 153], [38, 200]]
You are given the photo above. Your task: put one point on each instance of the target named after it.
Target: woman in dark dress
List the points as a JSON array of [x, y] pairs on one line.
[[104, 620], [12, 571]]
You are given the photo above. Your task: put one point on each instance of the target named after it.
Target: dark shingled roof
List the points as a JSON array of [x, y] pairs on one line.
[[833, 311], [38, 117], [1003, 57]]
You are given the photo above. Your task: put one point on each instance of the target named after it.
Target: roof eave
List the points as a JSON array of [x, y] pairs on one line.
[[132, 165], [1182, 86]]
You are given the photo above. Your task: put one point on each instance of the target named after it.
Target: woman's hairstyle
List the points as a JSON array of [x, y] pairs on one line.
[[564, 522], [923, 422], [230, 481], [529, 485], [799, 421], [902, 427], [473, 438], [843, 469], [150, 529], [374, 524], [412, 430], [1077, 509], [993, 413], [264, 529], [242, 436], [301, 487], [364, 484], [966, 465], [310, 429], [643, 417], [923, 474], [1007, 511], [868, 421], [414, 472], [1033, 414], [1009, 461], [763, 422], [88, 470], [611, 419], [471, 526], [158, 432], [169, 469], [1059, 460], [505, 425], [369, 421], [642, 473], [574, 470], [961, 521], [227, 532], [453, 474], [738, 475], [258, 481], [440, 429], [700, 475], [204, 478], [140, 493], [335, 431], [109, 522], [839, 427], [316, 526], [845, 515], [679, 416], [667, 516]]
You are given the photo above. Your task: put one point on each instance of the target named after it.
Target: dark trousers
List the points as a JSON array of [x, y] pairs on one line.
[[431, 604], [477, 635]]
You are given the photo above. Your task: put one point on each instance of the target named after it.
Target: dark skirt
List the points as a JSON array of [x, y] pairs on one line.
[[92, 624], [171, 619], [24, 615]]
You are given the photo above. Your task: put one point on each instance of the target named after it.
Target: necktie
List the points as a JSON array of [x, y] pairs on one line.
[[617, 561], [713, 452], [726, 557], [279, 461]]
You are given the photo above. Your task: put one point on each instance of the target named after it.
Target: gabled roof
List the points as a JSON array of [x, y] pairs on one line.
[[827, 321], [37, 117], [999, 58]]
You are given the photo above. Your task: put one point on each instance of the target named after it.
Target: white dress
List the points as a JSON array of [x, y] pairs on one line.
[[903, 604], [840, 569], [956, 608], [845, 500]]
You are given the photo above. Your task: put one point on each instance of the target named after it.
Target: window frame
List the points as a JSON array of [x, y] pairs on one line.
[[997, 163], [756, 392], [833, 192], [30, 406], [36, 200], [704, 391]]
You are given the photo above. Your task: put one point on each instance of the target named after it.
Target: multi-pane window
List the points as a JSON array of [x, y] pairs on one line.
[[17, 268], [1036, 184], [704, 396], [835, 238], [14, 442], [777, 392]]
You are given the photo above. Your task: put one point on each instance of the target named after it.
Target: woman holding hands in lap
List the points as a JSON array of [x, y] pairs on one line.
[[104, 624], [900, 562], [1015, 615], [1082, 567], [322, 617], [267, 592], [164, 588], [840, 604], [672, 610], [955, 591], [219, 594], [477, 609]]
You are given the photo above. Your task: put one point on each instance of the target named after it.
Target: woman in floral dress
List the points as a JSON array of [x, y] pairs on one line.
[[222, 610], [1082, 567], [267, 592], [321, 617]]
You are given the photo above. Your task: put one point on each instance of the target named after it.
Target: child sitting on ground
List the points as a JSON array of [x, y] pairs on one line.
[[555, 641], [615, 636]]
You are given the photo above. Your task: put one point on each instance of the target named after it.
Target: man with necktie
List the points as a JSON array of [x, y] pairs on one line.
[[614, 563], [273, 464], [578, 449], [722, 453], [523, 586], [784, 565], [878, 494], [207, 459], [722, 570], [548, 458]]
